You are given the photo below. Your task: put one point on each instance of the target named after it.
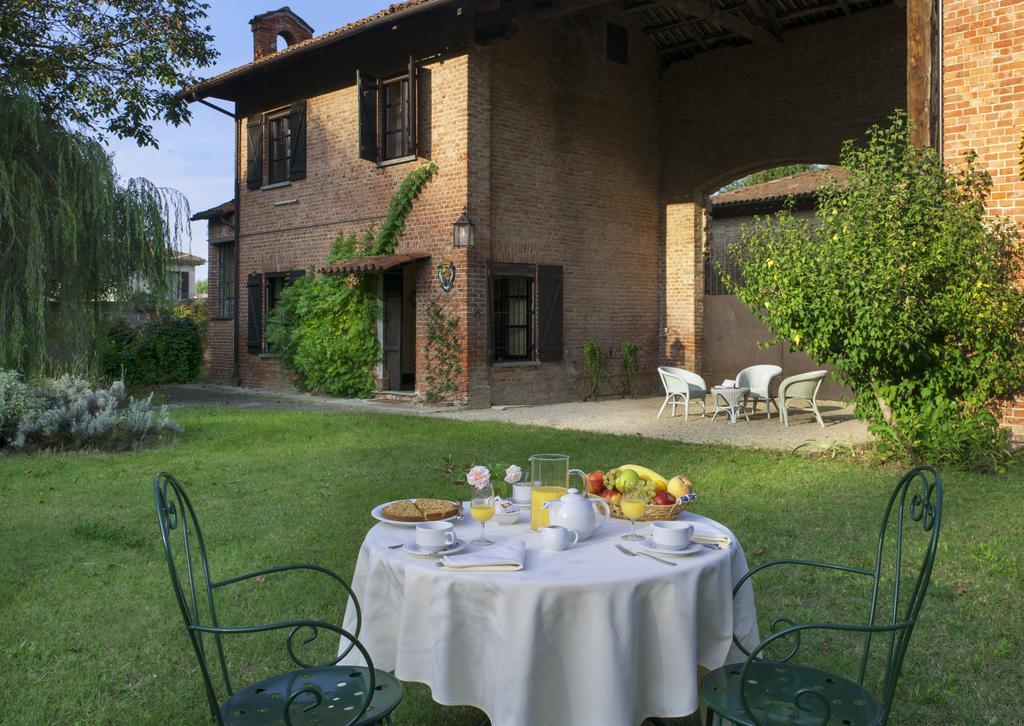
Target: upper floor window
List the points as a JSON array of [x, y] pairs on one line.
[[276, 146], [279, 149], [388, 110]]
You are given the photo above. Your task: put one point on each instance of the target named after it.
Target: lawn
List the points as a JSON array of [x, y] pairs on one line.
[[89, 632]]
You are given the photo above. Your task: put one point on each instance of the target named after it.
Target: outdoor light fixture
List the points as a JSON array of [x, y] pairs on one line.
[[464, 232]]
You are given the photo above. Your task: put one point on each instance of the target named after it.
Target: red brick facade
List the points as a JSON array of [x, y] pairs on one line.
[[983, 105], [565, 157]]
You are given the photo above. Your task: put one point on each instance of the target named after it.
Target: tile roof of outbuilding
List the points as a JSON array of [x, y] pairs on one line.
[[805, 183], [187, 258]]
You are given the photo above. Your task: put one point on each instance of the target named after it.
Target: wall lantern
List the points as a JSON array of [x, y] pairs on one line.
[[464, 232]]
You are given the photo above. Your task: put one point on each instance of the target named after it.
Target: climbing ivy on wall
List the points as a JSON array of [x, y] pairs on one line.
[[324, 327]]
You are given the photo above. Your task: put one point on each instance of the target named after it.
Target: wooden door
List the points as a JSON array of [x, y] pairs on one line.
[[393, 331]]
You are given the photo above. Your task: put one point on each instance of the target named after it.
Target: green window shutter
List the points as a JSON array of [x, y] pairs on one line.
[[297, 153], [367, 90], [254, 287], [254, 158], [550, 339]]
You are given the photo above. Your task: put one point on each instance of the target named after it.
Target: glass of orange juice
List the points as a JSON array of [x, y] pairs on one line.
[[633, 505], [481, 508]]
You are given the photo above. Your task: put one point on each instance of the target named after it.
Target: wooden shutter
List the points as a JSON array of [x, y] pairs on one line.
[[297, 127], [412, 126], [368, 90], [254, 159], [549, 311], [254, 340]]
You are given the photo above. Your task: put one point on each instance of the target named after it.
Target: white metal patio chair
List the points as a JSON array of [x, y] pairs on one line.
[[801, 387], [682, 384], [758, 379]]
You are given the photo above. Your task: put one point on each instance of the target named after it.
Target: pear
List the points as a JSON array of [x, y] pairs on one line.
[[679, 486]]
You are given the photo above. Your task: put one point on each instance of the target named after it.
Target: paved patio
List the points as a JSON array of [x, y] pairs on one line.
[[617, 416], [638, 417]]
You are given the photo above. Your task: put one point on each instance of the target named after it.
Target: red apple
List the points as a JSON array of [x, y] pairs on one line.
[[595, 482], [664, 498]]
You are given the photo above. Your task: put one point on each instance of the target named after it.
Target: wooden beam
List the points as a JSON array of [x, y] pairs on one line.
[[923, 72], [844, 5], [766, 13], [687, 25], [732, 23], [525, 11]]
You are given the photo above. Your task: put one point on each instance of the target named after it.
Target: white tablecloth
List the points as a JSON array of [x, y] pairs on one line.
[[586, 636]]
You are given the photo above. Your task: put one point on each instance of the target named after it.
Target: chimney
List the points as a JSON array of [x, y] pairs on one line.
[[266, 27]]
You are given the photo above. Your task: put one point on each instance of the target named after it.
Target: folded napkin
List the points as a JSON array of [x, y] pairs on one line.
[[508, 557], [707, 535], [729, 383]]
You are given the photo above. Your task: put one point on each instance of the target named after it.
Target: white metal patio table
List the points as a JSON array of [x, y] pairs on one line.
[[586, 636]]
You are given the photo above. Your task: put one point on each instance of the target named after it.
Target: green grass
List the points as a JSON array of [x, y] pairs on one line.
[[89, 632]]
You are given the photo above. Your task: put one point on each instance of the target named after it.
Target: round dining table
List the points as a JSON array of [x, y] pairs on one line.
[[583, 636]]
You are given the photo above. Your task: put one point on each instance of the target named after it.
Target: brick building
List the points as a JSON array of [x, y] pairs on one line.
[[582, 139]]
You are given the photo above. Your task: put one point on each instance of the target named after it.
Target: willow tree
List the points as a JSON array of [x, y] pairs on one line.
[[72, 237]]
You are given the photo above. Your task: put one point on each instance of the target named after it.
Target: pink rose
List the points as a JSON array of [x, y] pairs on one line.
[[478, 477], [513, 474]]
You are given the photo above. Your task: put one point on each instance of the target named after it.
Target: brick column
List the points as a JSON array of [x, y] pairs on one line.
[[684, 283]]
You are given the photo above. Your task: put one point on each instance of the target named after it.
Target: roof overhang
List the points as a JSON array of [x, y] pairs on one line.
[[214, 87], [374, 264]]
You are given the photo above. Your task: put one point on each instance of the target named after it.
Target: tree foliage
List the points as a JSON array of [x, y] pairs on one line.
[[72, 236], [767, 175], [102, 66], [324, 327], [908, 289]]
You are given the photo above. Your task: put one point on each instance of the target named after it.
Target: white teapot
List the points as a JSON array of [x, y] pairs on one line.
[[575, 511]]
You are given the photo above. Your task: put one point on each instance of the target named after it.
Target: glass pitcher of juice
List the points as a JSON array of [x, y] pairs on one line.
[[550, 476]]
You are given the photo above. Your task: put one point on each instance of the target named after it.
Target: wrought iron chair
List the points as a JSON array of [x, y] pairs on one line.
[[317, 694], [770, 691], [682, 384]]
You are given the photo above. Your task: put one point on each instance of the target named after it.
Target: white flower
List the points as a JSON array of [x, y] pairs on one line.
[[513, 474], [478, 477]]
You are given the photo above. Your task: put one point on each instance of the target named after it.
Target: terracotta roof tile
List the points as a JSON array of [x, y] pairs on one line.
[[186, 258], [795, 185]]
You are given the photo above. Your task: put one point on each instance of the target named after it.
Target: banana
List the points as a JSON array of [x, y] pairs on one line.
[[647, 474]]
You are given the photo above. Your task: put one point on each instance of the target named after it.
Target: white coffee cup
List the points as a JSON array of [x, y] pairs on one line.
[[559, 538], [434, 536], [671, 535], [522, 493]]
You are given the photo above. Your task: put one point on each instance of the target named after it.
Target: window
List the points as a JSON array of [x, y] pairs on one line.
[[525, 312], [280, 139], [618, 44], [179, 285], [388, 118], [274, 283], [513, 318], [226, 280], [279, 150]]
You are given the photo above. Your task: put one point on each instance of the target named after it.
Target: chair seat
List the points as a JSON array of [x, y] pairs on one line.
[[343, 689], [770, 692]]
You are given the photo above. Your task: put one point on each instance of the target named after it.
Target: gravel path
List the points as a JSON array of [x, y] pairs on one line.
[[618, 416]]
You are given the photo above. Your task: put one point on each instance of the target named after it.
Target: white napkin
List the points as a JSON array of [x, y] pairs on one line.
[[728, 383], [508, 557], [707, 535]]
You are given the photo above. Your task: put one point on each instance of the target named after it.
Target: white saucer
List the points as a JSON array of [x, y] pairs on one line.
[[651, 546], [411, 548]]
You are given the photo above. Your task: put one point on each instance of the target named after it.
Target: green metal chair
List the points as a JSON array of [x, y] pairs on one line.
[[324, 693], [761, 691], [801, 387]]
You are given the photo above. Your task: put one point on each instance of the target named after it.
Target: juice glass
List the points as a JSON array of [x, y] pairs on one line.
[[633, 506], [481, 508]]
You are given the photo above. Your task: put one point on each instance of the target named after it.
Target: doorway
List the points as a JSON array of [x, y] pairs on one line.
[[398, 344]]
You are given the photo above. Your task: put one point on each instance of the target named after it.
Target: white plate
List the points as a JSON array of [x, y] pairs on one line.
[[650, 546], [411, 548], [376, 514]]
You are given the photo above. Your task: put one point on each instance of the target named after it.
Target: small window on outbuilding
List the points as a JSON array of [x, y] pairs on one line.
[[618, 44]]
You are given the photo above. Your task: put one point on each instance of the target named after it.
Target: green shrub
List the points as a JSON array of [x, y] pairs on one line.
[[630, 369], [324, 328], [593, 368], [167, 350], [908, 289], [69, 413]]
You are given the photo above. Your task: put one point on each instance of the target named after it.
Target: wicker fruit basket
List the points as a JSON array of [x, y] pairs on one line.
[[653, 512]]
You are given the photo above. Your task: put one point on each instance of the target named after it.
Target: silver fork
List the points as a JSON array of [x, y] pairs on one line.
[[631, 553]]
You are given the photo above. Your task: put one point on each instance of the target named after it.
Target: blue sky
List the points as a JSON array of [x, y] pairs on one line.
[[196, 159]]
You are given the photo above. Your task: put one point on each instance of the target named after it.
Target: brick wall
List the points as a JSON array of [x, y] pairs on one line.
[[219, 331], [343, 193], [983, 106], [571, 180]]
